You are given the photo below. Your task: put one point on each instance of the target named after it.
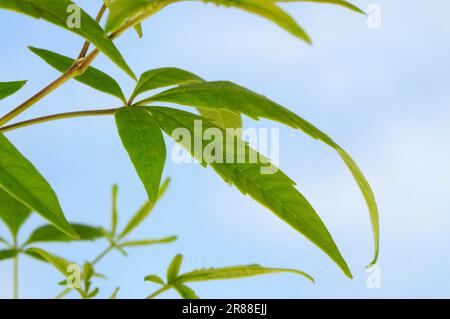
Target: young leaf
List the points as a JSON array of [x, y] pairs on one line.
[[91, 77], [114, 294], [9, 88], [148, 242], [121, 10], [174, 268], [49, 233], [59, 263], [61, 13], [12, 212], [114, 214], [22, 180], [141, 214], [7, 254], [267, 9], [138, 28], [232, 97], [275, 191], [234, 272], [341, 3], [93, 293], [185, 292], [158, 78], [144, 142], [154, 278]]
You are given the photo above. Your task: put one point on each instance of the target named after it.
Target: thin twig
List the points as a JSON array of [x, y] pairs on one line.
[[87, 44]]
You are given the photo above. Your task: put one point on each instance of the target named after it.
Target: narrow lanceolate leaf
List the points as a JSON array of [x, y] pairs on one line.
[[174, 268], [114, 213], [7, 254], [64, 13], [269, 10], [148, 242], [143, 140], [235, 272], [158, 78], [185, 292], [59, 263], [22, 180], [154, 278], [9, 88], [253, 175], [49, 233], [341, 3], [91, 77], [114, 294], [229, 96], [138, 218], [121, 10], [12, 212]]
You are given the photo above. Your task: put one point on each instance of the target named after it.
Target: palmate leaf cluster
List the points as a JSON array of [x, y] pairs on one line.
[[141, 124]]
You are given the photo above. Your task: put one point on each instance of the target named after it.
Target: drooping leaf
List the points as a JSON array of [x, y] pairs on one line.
[[49, 233], [92, 77], [154, 278], [114, 213], [272, 188], [269, 10], [59, 12], [144, 142], [174, 268], [235, 272], [185, 292], [163, 77], [148, 242], [230, 96], [138, 28], [114, 294], [12, 212], [22, 180], [7, 254], [341, 3], [59, 263], [121, 10], [9, 88]]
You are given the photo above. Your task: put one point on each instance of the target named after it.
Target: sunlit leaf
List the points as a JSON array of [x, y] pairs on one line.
[[9, 88], [59, 13], [22, 180], [114, 294], [230, 96], [121, 10], [185, 292], [272, 188], [174, 268], [341, 3], [114, 213], [49, 233], [148, 242], [12, 212], [92, 77], [154, 278], [143, 140], [223, 118], [59, 263]]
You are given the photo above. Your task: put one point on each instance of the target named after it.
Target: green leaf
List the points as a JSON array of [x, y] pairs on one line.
[[59, 263], [154, 278], [9, 88], [12, 212], [91, 77], [114, 294], [93, 293], [147, 242], [49, 233], [163, 77], [121, 10], [114, 214], [235, 272], [341, 3], [138, 28], [232, 97], [22, 180], [7, 254], [223, 118], [185, 292], [174, 268], [273, 189], [144, 142], [269, 10], [58, 13], [141, 214]]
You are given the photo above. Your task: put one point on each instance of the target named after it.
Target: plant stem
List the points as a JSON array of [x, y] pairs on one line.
[[158, 292], [16, 270], [86, 44], [55, 117]]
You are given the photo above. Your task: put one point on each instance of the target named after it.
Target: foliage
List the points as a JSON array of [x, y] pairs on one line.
[[141, 124]]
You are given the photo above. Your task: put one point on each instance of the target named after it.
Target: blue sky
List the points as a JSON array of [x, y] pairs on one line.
[[382, 94]]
